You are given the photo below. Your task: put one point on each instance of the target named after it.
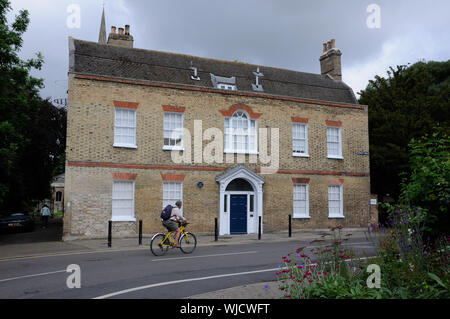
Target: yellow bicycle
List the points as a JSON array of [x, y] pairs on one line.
[[161, 242]]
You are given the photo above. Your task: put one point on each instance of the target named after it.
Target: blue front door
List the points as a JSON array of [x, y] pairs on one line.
[[238, 214]]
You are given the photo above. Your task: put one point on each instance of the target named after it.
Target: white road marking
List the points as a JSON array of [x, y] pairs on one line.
[[35, 275], [203, 256], [71, 253], [122, 292]]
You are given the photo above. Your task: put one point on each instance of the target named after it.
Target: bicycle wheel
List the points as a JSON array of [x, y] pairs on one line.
[[156, 245], [188, 242]]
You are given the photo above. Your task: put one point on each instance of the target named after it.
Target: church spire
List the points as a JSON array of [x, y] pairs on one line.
[[102, 34]]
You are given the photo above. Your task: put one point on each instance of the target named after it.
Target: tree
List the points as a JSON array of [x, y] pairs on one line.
[[29, 126], [405, 105], [428, 186]]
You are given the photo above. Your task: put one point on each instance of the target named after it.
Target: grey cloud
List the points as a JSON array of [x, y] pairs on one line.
[[286, 34]]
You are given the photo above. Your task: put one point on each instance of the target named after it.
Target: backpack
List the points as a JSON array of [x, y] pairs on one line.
[[166, 212]]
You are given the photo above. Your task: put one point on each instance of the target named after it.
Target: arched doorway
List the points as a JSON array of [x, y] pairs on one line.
[[240, 201]]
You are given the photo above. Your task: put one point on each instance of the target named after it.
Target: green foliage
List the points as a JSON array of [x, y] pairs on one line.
[[428, 185], [409, 269], [412, 267], [29, 126], [405, 105]]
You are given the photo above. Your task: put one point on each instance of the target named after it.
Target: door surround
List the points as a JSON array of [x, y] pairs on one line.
[[256, 182]]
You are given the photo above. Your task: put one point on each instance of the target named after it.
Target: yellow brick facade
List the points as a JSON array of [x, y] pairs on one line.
[[92, 159]]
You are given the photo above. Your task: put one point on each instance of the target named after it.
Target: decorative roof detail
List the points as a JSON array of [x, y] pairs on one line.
[[90, 58]]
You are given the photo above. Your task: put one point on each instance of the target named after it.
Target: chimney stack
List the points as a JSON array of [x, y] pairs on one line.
[[330, 61], [122, 39]]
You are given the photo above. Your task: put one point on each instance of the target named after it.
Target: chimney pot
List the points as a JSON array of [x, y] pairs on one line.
[[333, 43], [121, 31], [113, 29], [324, 47], [127, 29]]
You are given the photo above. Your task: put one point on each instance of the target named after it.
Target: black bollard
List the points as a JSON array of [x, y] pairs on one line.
[[259, 228], [109, 233], [140, 232], [290, 225], [216, 231]]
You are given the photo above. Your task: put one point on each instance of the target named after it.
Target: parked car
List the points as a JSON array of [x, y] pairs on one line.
[[16, 222]]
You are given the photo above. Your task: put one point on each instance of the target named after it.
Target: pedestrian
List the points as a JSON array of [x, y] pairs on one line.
[[45, 213]]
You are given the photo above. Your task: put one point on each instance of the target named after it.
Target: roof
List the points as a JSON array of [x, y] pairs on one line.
[[107, 60]]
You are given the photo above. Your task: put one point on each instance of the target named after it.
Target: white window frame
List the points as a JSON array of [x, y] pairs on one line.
[[224, 86], [340, 201], [171, 201], [232, 134], [296, 213], [295, 152], [339, 142], [117, 112], [122, 218], [173, 131]]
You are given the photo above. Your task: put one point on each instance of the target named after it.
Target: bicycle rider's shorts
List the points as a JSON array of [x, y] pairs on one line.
[[170, 224]]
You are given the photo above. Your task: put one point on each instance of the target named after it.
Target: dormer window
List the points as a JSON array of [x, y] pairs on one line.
[[227, 87], [223, 83]]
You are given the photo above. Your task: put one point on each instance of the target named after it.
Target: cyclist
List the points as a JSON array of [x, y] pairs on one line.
[[172, 224]]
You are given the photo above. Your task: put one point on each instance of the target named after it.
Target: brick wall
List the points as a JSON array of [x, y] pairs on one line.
[[91, 158]]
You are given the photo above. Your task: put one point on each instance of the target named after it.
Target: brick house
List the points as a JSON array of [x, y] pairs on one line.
[[233, 141]]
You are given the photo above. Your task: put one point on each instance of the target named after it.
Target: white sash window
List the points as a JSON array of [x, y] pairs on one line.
[[241, 134], [334, 142], [335, 201], [123, 201], [300, 139], [173, 131], [172, 192], [301, 201], [125, 128]]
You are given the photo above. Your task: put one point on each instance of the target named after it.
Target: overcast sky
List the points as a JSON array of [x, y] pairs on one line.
[[284, 33]]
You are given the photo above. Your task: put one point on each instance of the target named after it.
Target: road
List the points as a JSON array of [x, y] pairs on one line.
[[136, 273]]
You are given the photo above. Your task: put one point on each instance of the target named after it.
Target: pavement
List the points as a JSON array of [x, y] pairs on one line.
[[13, 246]]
